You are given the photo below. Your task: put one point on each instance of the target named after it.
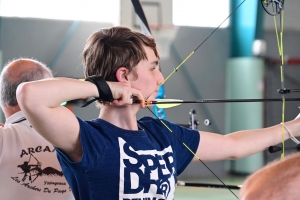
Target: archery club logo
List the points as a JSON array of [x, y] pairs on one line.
[[32, 174]]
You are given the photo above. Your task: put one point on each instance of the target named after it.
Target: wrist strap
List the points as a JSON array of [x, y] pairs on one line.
[[104, 91]]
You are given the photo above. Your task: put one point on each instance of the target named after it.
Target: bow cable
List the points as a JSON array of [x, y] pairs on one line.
[[192, 152]]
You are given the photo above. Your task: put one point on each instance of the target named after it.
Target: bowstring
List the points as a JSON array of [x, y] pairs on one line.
[[191, 53], [282, 80], [279, 39]]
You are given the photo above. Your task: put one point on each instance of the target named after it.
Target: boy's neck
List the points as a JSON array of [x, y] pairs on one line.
[[123, 117]]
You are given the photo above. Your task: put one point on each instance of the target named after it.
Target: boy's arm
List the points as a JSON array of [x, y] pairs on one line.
[[40, 101], [239, 144]]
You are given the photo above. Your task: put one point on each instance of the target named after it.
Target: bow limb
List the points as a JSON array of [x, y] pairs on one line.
[[142, 17]]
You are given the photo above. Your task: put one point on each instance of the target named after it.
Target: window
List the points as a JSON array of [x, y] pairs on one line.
[[202, 13], [86, 10]]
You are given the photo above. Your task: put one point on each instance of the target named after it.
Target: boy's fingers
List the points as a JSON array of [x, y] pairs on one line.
[[138, 96]]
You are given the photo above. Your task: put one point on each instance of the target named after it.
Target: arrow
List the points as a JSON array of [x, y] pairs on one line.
[[169, 103]]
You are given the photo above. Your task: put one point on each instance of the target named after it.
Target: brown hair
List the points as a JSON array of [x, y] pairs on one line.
[[109, 49]]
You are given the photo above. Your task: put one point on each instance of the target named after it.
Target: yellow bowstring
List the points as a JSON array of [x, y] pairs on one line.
[[175, 70], [280, 49]]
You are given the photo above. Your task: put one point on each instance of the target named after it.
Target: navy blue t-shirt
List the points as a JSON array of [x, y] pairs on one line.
[[127, 165]]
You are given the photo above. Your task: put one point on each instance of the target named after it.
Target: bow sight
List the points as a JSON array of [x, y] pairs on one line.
[[272, 7]]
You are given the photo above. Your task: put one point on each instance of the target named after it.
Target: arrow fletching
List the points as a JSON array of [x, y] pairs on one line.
[[168, 103]]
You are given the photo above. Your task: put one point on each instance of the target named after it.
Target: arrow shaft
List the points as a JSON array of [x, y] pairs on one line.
[[217, 101]]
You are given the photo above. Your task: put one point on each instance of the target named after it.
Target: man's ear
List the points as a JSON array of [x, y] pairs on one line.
[[122, 74]]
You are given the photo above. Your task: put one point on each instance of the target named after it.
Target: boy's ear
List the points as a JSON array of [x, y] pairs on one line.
[[122, 74]]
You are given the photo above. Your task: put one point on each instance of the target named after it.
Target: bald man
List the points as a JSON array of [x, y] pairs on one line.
[[28, 165], [277, 181]]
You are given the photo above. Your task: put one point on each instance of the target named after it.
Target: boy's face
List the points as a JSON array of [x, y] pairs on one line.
[[149, 77]]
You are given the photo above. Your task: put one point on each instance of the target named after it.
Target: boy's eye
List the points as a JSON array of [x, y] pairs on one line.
[[155, 67]]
